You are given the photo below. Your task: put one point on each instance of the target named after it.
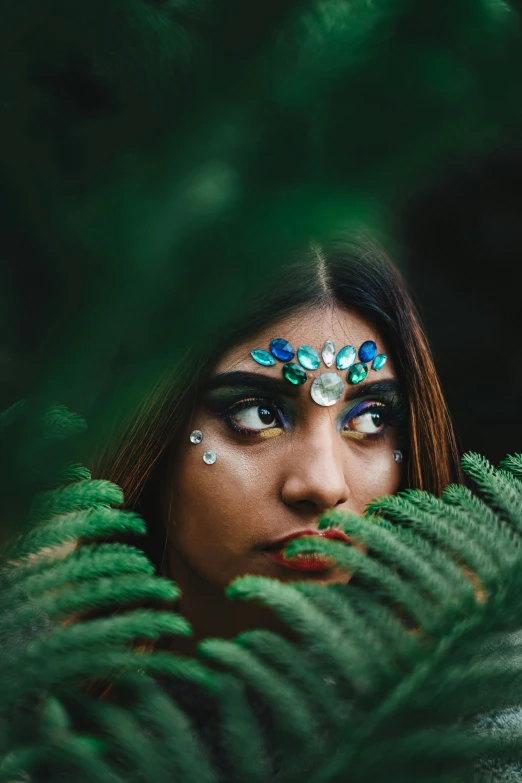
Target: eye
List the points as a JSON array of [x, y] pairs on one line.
[[256, 417], [370, 421]]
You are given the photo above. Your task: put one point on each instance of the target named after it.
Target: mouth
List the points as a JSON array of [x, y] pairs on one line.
[[308, 561]]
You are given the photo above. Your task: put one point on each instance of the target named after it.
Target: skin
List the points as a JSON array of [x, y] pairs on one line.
[[218, 517]]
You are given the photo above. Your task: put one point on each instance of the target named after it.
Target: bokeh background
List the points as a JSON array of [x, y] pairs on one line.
[[156, 154]]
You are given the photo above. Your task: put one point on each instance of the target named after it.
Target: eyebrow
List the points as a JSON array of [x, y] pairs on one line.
[[389, 386], [254, 380]]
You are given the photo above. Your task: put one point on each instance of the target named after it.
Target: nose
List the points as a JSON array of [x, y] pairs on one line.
[[315, 480]]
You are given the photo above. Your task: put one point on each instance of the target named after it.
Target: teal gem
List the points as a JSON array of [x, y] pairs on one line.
[[293, 373], [308, 357], [262, 357], [357, 372], [379, 361], [346, 357]]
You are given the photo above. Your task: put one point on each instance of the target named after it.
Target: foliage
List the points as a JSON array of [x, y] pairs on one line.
[[142, 139], [406, 673]]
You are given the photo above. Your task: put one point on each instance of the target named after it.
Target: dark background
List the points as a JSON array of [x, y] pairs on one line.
[[463, 250]]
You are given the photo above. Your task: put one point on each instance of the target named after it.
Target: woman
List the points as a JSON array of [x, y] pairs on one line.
[[325, 397]]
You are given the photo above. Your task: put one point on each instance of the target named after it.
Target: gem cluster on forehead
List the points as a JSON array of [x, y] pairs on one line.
[[327, 388]]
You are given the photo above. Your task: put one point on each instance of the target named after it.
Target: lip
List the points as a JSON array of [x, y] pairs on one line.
[[307, 561]]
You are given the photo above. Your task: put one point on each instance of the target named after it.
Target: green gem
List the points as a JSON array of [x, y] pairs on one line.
[[357, 372], [293, 373], [379, 361], [308, 357]]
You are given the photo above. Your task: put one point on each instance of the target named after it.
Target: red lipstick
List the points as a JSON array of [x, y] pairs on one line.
[[309, 561]]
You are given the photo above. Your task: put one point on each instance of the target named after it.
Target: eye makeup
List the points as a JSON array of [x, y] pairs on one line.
[[239, 408], [388, 411], [260, 410]]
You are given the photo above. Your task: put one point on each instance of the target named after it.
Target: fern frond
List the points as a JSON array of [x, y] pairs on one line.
[[513, 464], [86, 563], [290, 712], [80, 495], [298, 667], [243, 742], [498, 490], [382, 579], [92, 523]]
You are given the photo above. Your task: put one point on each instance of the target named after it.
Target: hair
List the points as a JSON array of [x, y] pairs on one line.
[[354, 273]]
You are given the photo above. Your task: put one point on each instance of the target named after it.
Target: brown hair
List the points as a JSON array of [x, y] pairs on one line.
[[352, 272]]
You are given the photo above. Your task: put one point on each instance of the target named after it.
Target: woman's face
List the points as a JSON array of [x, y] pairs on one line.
[[281, 459]]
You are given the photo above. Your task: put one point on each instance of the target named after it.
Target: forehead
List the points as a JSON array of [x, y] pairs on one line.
[[308, 327]]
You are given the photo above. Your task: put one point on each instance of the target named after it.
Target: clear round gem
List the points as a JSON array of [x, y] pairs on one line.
[[294, 374], [328, 353], [379, 361], [327, 389], [308, 357], [346, 357], [357, 372], [262, 357], [209, 457], [397, 455], [196, 436]]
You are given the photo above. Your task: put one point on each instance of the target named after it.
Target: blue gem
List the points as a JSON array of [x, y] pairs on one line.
[[262, 357], [379, 361], [367, 351], [346, 357], [308, 357], [282, 350]]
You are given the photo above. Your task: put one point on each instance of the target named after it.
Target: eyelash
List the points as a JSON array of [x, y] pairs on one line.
[[228, 415], [392, 412], [381, 408]]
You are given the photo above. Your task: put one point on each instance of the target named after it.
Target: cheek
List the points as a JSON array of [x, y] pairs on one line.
[[373, 475], [217, 511]]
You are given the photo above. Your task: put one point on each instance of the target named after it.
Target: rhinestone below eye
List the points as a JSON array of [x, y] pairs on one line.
[[397, 455], [262, 357], [209, 457], [346, 357], [367, 351], [282, 350], [327, 389], [379, 361], [357, 373], [294, 374], [196, 436], [308, 357], [328, 352]]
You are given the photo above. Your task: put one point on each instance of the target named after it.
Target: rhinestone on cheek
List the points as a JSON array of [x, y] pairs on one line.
[[209, 457], [308, 357], [379, 361], [294, 374], [327, 389], [367, 351], [357, 372], [262, 357], [346, 357], [328, 352], [397, 455], [196, 436], [282, 350]]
